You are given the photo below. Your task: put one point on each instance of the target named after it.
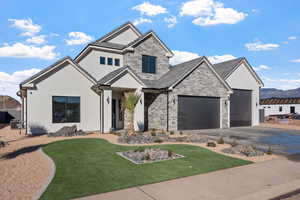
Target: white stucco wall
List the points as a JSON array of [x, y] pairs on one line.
[[242, 78], [66, 82], [91, 63], [274, 109], [125, 38]]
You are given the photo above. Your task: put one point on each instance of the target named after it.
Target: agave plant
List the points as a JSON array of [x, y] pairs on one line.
[[129, 103]]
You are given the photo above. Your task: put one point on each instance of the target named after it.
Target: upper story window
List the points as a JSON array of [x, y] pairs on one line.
[[109, 61], [102, 60], [65, 109], [148, 64], [117, 62], [280, 108]]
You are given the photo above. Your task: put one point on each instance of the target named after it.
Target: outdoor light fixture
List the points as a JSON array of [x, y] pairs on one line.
[[174, 101], [141, 101], [226, 102], [107, 99]]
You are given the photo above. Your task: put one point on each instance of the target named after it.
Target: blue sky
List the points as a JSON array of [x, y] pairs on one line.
[[34, 34]]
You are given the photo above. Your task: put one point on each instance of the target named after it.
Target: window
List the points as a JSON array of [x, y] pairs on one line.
[[148, 64], [109, 61], [65, 109], [102, 60], [280, 108], [117, 62]]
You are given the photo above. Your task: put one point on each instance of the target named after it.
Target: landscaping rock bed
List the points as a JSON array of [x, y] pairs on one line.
[[67, 131], [246, 150], [158, 138], [148, 155]]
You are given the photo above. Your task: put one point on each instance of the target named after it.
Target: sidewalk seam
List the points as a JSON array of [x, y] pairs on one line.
[[151, 197]]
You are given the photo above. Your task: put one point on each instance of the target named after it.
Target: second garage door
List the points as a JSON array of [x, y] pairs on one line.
[[240, 108], [196, 112]]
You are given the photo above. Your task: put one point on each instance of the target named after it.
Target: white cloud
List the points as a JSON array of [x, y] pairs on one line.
[[20, 50], [210, 12], [76, 38], [219, 59], [292, 38], [295, 61], [281, 83], [27, 26], [182, 56], [259, 46], [172, 20], [37, 39], [149, 9], [261, 67], [141, 21], [9, 83]]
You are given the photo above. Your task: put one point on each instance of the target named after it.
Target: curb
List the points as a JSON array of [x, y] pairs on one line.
[[38, 195]]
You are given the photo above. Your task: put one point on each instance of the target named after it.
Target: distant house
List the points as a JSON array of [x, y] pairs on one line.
[[280, 106], [10, 109]]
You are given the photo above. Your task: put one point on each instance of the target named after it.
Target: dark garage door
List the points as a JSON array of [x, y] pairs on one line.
[[240, 108], [196, 112]]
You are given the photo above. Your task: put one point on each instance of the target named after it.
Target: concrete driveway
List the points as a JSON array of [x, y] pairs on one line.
[[282, 141]]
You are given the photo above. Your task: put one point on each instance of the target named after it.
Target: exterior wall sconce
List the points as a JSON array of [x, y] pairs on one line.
[[256, 104], [141, 101], [107, 99], [174, 101], [226, 102]]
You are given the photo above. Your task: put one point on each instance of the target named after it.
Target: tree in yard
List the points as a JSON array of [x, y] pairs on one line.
[[129, 103]]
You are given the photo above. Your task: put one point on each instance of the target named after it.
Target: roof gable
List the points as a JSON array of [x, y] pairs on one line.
[[52, 69], [123, 35], [227, 68]]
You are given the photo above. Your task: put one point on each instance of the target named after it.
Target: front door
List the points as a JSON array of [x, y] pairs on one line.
[[113, 114]]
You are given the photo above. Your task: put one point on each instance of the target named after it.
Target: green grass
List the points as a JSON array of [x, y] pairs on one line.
[[91, 166]]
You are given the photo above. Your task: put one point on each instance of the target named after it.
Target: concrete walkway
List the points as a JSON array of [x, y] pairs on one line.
[[259, 181]]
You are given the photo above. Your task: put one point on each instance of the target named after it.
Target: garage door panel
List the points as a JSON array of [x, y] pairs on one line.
[[240, 108], [196, 112]]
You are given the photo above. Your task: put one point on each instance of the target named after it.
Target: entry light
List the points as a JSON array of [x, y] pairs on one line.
[[107, 99]]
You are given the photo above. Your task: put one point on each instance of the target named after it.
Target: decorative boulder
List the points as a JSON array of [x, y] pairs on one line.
[[211, 144], [67, 131], [2, 144]]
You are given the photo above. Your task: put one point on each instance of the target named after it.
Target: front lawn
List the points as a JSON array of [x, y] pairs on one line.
[[91, 166]]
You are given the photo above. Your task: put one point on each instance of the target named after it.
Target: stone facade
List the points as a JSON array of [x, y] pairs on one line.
[[151, 47], [201, 82]]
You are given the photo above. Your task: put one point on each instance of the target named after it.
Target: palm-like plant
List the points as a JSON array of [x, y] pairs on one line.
[[129, 103]]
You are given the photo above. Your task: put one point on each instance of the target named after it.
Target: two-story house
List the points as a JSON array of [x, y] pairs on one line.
[[88, 90]]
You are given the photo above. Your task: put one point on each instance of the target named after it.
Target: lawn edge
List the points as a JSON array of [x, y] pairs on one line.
[[52, 165]]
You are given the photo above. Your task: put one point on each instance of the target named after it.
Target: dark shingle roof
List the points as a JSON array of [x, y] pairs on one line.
[[176, 73], [111, 75], [272, 101], [109, 45], [225, 68]]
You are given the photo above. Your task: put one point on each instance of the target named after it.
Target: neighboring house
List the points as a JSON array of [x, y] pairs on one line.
[[280, 106], [10, 109], [88, 90]]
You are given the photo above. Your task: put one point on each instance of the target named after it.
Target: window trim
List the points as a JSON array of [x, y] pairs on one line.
[[147, 68], [104, 60], [112, 60], [79, 121]]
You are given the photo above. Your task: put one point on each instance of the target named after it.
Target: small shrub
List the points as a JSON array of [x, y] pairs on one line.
[[269, 151], [158, 140], [139, 149], [170, 153], [147, 157], [234, 143], [211, 144], [153, 132], [163, 132], [171, 132], [221, 140], [181, 133]]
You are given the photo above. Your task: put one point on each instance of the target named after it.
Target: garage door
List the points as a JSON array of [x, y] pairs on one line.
[[196, 112], [240, 108]]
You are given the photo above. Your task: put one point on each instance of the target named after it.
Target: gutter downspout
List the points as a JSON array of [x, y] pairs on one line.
[[167, 111]]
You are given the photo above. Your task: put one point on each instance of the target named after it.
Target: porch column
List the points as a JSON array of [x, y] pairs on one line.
[[107, 98], [139, 113]]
